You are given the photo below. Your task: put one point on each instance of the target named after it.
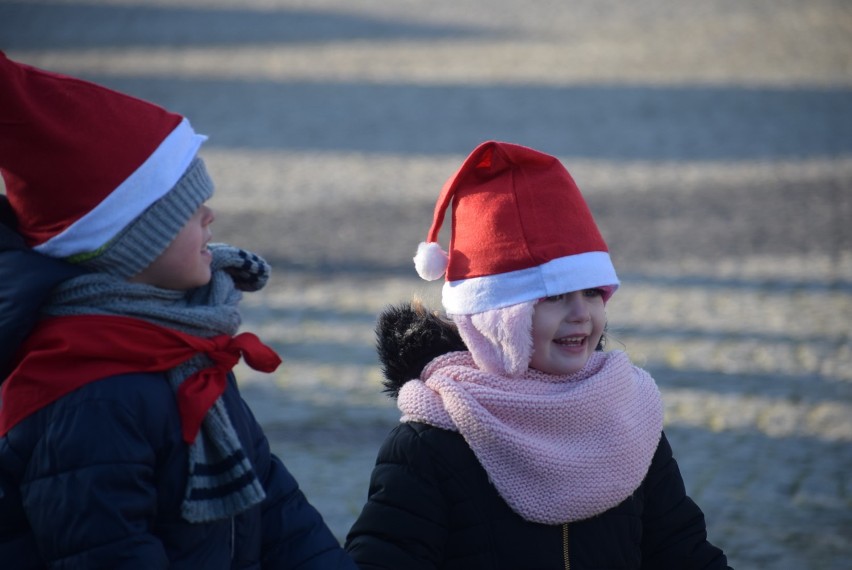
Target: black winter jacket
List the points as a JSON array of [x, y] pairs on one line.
[[431, 505]]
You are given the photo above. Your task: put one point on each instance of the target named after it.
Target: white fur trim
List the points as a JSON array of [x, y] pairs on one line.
[[431, 261], [150, 182], [562, 275]]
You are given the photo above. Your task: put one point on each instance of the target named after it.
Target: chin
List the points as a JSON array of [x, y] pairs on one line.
[[203, 282], [195, 283]]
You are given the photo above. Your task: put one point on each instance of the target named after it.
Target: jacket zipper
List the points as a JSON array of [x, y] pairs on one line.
[[233, 538], [565, 546]]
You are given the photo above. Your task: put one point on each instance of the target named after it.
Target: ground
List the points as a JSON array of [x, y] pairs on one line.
[[713, 142]]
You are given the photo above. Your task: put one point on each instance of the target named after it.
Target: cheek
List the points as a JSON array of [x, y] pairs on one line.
[[544, 326], [185, 249]]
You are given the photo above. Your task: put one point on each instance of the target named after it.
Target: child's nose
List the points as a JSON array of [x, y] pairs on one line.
[[578, 310]]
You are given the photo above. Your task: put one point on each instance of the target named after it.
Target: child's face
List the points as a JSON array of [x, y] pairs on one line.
[[566, 330], [185, 264]]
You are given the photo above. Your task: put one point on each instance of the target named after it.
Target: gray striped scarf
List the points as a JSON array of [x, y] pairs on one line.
[[221, 481]]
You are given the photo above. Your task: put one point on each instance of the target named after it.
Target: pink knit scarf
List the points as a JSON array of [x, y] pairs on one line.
[[557, 448]]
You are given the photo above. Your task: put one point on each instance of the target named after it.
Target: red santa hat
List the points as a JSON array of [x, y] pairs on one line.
[[521, 231], [95, 176]]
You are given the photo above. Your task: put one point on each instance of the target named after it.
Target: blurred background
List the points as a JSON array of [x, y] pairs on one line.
[[712, 139]]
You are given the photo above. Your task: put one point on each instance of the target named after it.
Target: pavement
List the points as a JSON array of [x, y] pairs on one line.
[[713, 141]]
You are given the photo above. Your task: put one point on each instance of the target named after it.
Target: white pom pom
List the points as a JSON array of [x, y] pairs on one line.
[[431, 261]]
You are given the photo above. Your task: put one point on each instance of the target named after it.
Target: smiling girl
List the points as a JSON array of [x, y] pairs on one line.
[[521, 444]]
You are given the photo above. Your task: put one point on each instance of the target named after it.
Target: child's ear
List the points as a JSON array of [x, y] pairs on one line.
[[500, 340]]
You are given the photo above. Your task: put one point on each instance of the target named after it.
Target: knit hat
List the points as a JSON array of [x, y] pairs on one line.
[[521, 231], [94, 176]]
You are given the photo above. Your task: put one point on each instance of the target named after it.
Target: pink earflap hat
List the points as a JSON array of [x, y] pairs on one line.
[[94, 176], [521, 231]]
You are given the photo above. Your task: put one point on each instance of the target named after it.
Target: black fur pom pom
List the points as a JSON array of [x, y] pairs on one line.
[[408, 337]]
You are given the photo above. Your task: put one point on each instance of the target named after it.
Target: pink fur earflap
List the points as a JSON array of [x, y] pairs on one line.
[[500, 340]]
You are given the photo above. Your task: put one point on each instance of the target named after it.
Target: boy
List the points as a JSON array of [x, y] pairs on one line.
[[124, 442]]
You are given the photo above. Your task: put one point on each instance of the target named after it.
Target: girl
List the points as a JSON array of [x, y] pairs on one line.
[[522, 444]]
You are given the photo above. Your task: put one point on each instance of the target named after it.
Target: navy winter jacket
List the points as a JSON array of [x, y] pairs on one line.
[[26, 279], [96, 479]]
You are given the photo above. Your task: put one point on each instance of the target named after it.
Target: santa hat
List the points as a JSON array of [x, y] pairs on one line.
[[95, 176], [521, 231]]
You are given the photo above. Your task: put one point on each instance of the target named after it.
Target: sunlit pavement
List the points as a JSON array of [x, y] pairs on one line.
[[714, 144]]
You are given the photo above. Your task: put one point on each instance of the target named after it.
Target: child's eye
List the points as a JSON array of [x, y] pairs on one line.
[[595, 292], [554, 298]]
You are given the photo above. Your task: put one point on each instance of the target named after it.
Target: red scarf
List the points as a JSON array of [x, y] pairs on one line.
[[65, 353]]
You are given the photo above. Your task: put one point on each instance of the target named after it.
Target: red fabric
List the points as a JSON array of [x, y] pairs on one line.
[[91, 139], [65, 353], [513, 208]]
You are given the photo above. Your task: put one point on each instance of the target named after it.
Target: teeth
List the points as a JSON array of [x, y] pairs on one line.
[[571, 340]]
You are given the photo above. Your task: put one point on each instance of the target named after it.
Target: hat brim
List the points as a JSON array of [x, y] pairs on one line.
[[562, 275]]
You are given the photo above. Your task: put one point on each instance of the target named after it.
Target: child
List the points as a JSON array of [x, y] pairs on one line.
[[522, 444], [124, 442]]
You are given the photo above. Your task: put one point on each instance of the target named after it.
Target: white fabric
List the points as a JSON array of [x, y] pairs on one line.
[[150, 182], [561, 275]]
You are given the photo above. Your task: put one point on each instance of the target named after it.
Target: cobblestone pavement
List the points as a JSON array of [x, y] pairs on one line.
[[713, 141]]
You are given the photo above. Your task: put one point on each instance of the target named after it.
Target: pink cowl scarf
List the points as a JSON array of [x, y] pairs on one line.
[[557, 448]]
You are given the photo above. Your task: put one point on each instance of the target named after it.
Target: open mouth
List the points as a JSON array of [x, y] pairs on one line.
[[571, 341]]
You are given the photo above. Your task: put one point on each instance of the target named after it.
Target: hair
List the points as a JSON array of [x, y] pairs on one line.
[[602, 342]]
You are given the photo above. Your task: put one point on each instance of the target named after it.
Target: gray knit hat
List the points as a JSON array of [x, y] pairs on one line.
[[145, 238]]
